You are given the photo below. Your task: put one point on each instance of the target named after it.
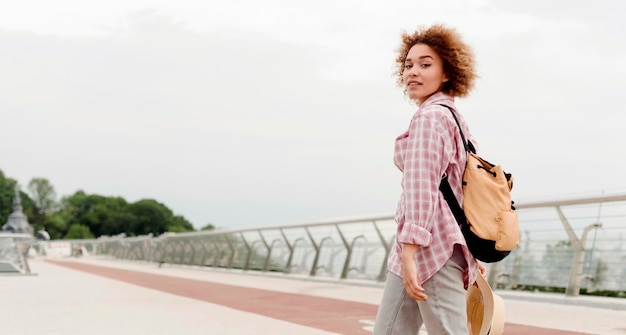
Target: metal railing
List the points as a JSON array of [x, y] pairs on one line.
[[555, 248], [13, 253], [341, 248]]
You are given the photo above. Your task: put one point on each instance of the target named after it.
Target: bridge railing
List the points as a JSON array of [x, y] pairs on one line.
[[350, 248], [13, 252], [571, 244]]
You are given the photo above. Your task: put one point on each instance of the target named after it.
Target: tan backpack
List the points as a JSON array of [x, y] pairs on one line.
[[488, 218]]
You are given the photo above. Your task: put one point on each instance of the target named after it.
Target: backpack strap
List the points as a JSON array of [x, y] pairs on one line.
[[457, 211], [469, 147], [444, 185]]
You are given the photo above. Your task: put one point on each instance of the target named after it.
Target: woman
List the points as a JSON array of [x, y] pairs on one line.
[[430, 267]]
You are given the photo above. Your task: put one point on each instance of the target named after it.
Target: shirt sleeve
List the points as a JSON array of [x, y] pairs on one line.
[[423, 169]]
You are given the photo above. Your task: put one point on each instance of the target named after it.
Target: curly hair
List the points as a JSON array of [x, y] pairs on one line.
[[457, 57]]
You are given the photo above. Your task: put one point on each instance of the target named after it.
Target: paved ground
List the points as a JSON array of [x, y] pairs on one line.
[[103, 296]]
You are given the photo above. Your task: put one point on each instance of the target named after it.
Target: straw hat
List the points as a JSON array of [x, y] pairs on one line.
[[485, 309]]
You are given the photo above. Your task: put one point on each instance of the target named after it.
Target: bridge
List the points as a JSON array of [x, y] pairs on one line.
[[314, 278]]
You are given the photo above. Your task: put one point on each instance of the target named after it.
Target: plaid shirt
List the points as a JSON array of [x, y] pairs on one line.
[[431, 147]]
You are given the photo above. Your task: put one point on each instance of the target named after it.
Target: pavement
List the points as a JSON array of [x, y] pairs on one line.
[[99, 295]]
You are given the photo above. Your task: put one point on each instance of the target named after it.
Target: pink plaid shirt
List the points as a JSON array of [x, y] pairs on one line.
[[431, 147]]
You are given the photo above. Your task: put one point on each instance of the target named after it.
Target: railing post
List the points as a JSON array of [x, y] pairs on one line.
[[317, 251], [192, 257], [232, 252], [205, 252], [346, 263], [382, 276], [576, 274], [291, 250], [249, 249], [162, 247], [181, 259], [289, 266], [269, 248], [349, 248], [218, 251]]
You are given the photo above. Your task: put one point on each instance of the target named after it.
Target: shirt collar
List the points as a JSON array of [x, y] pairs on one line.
[[438, 98]]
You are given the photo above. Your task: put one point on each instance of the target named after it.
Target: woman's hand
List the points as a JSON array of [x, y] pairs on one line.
[[410, 276], [481, 269]]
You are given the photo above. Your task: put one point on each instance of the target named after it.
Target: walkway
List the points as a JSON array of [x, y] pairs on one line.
[[101, 296]]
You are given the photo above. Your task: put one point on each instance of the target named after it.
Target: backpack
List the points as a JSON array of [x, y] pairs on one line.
[[488, 218]]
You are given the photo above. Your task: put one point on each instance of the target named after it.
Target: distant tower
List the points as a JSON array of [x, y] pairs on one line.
[[17, 221]]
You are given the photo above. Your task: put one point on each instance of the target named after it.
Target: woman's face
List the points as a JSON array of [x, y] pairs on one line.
[[423, 73]]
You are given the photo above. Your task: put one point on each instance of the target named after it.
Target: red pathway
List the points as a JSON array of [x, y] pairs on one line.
[[332, 315]]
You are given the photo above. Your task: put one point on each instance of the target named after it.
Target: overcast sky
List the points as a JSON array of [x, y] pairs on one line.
[[249, 113]]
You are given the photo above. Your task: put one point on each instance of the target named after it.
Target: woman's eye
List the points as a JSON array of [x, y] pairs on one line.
[[424, 65], [407, 66]]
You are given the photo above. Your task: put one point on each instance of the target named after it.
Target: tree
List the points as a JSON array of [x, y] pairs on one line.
[[82, 214], [44, 200], [57, 224], [78, 232], [179, 224], [7, 192], [152, 217], [117, 223], [102, 215], [43, 194], [208, 226]]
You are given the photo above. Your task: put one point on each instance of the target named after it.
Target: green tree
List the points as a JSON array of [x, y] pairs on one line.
[[117, 223], [151, 217], [7, 191], [154, 217], [104, 216], [208, 226], [78, 231], [44, 200], [179, 224], [100, 215], [43, 194], [57, 224], [176, 229]]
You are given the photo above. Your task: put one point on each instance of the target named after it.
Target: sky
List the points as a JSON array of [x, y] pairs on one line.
[[247, 113]]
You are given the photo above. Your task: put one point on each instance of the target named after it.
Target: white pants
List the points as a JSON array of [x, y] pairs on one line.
[[443, 313]]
